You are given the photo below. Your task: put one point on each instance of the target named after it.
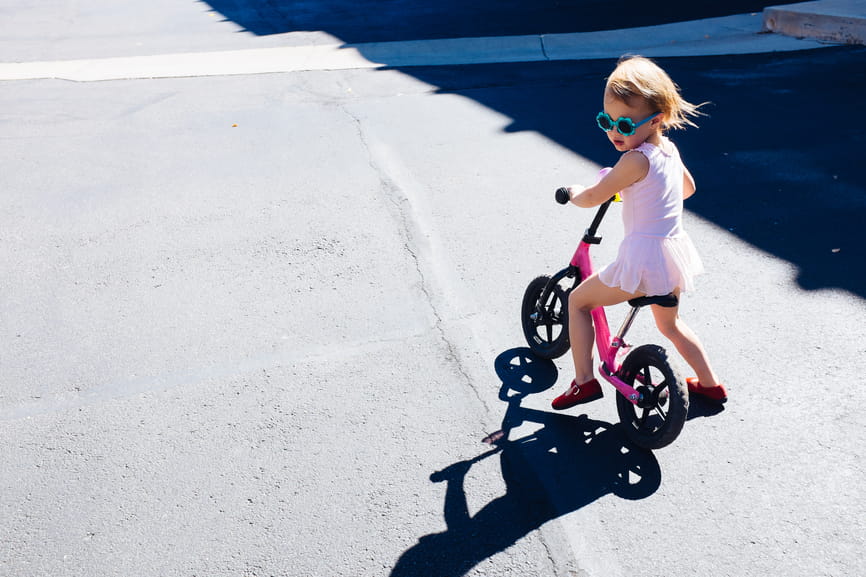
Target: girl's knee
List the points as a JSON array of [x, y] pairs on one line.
[[669, 328], [578, 302], [677, 332]]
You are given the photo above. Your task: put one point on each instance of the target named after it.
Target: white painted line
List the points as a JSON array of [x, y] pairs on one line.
[[739, 34], [251, 61]]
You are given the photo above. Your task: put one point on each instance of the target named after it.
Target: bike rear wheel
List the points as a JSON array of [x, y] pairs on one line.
[[545, 324], [658, 418]]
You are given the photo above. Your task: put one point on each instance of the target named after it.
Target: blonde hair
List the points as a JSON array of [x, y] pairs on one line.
[[639, 77]]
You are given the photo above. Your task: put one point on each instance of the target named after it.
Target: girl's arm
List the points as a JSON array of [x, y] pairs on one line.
[[688, 183], [632, 167]]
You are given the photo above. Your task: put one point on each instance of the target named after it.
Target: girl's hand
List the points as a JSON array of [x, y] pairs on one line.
[[565, 194], [574, 190]]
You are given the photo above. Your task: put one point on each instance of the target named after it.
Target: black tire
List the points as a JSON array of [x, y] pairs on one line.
[[547, 332], [657, 420]]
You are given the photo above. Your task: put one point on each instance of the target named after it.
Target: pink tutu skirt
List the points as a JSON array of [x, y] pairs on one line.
[[654, 265]]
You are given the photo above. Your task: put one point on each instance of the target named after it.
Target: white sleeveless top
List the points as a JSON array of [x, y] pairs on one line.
[[656, 256]]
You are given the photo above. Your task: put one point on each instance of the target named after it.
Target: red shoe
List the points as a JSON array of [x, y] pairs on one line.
[[576, 395], [717, 393]]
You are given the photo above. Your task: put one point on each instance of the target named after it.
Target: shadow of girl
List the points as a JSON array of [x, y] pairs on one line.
[[566, 464]]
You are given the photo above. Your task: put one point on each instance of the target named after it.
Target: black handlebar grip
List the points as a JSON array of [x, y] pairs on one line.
[[562, 196]]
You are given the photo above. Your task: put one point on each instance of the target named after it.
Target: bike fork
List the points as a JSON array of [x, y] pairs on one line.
[[568, 272]]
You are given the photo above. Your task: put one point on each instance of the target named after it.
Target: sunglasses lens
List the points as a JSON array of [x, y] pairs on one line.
[[604, 121], [625, 126]]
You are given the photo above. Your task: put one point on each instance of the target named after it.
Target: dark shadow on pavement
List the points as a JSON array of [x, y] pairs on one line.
[[357, 21], [566, 464], [700, 408], [776, 172]]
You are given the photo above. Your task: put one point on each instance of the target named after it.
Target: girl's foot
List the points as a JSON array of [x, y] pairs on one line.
[[717, 393], [578, 394]]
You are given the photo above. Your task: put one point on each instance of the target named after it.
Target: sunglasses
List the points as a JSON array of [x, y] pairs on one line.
[[624, 125]]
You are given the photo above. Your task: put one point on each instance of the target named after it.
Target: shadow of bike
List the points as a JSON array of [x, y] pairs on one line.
[[565, 464]]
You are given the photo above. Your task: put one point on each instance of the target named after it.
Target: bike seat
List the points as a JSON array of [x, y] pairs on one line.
[[667, 301]]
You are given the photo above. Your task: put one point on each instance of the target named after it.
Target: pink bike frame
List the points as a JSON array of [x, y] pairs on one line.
[[607, 347]]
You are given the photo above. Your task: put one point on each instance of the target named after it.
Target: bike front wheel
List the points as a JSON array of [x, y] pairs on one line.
[[658, 418], [545, 322]]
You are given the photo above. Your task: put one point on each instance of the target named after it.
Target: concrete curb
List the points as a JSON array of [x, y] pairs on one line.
[[840, 21], [739, 34]]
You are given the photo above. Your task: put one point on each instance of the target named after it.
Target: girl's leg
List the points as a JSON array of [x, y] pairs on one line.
[[590, 294], [686, 342]]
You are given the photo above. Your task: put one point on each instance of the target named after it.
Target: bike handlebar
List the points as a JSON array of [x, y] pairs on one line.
[[562, 196]]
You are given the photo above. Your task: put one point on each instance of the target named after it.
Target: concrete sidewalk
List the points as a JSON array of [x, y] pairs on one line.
[[739, 34], [838, 21], [800, 26]]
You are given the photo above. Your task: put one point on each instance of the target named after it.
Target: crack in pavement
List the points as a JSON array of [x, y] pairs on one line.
[[414, 233]]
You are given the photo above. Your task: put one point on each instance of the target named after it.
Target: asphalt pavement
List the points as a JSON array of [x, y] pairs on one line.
[[262, 271]]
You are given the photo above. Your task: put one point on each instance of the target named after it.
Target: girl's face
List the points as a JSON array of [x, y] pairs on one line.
[[639, 111]]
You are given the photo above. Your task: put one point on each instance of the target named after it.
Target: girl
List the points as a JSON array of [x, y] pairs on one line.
[[656, 256]]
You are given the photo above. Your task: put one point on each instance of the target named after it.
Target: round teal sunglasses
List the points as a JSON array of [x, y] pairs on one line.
[[624, 125]]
